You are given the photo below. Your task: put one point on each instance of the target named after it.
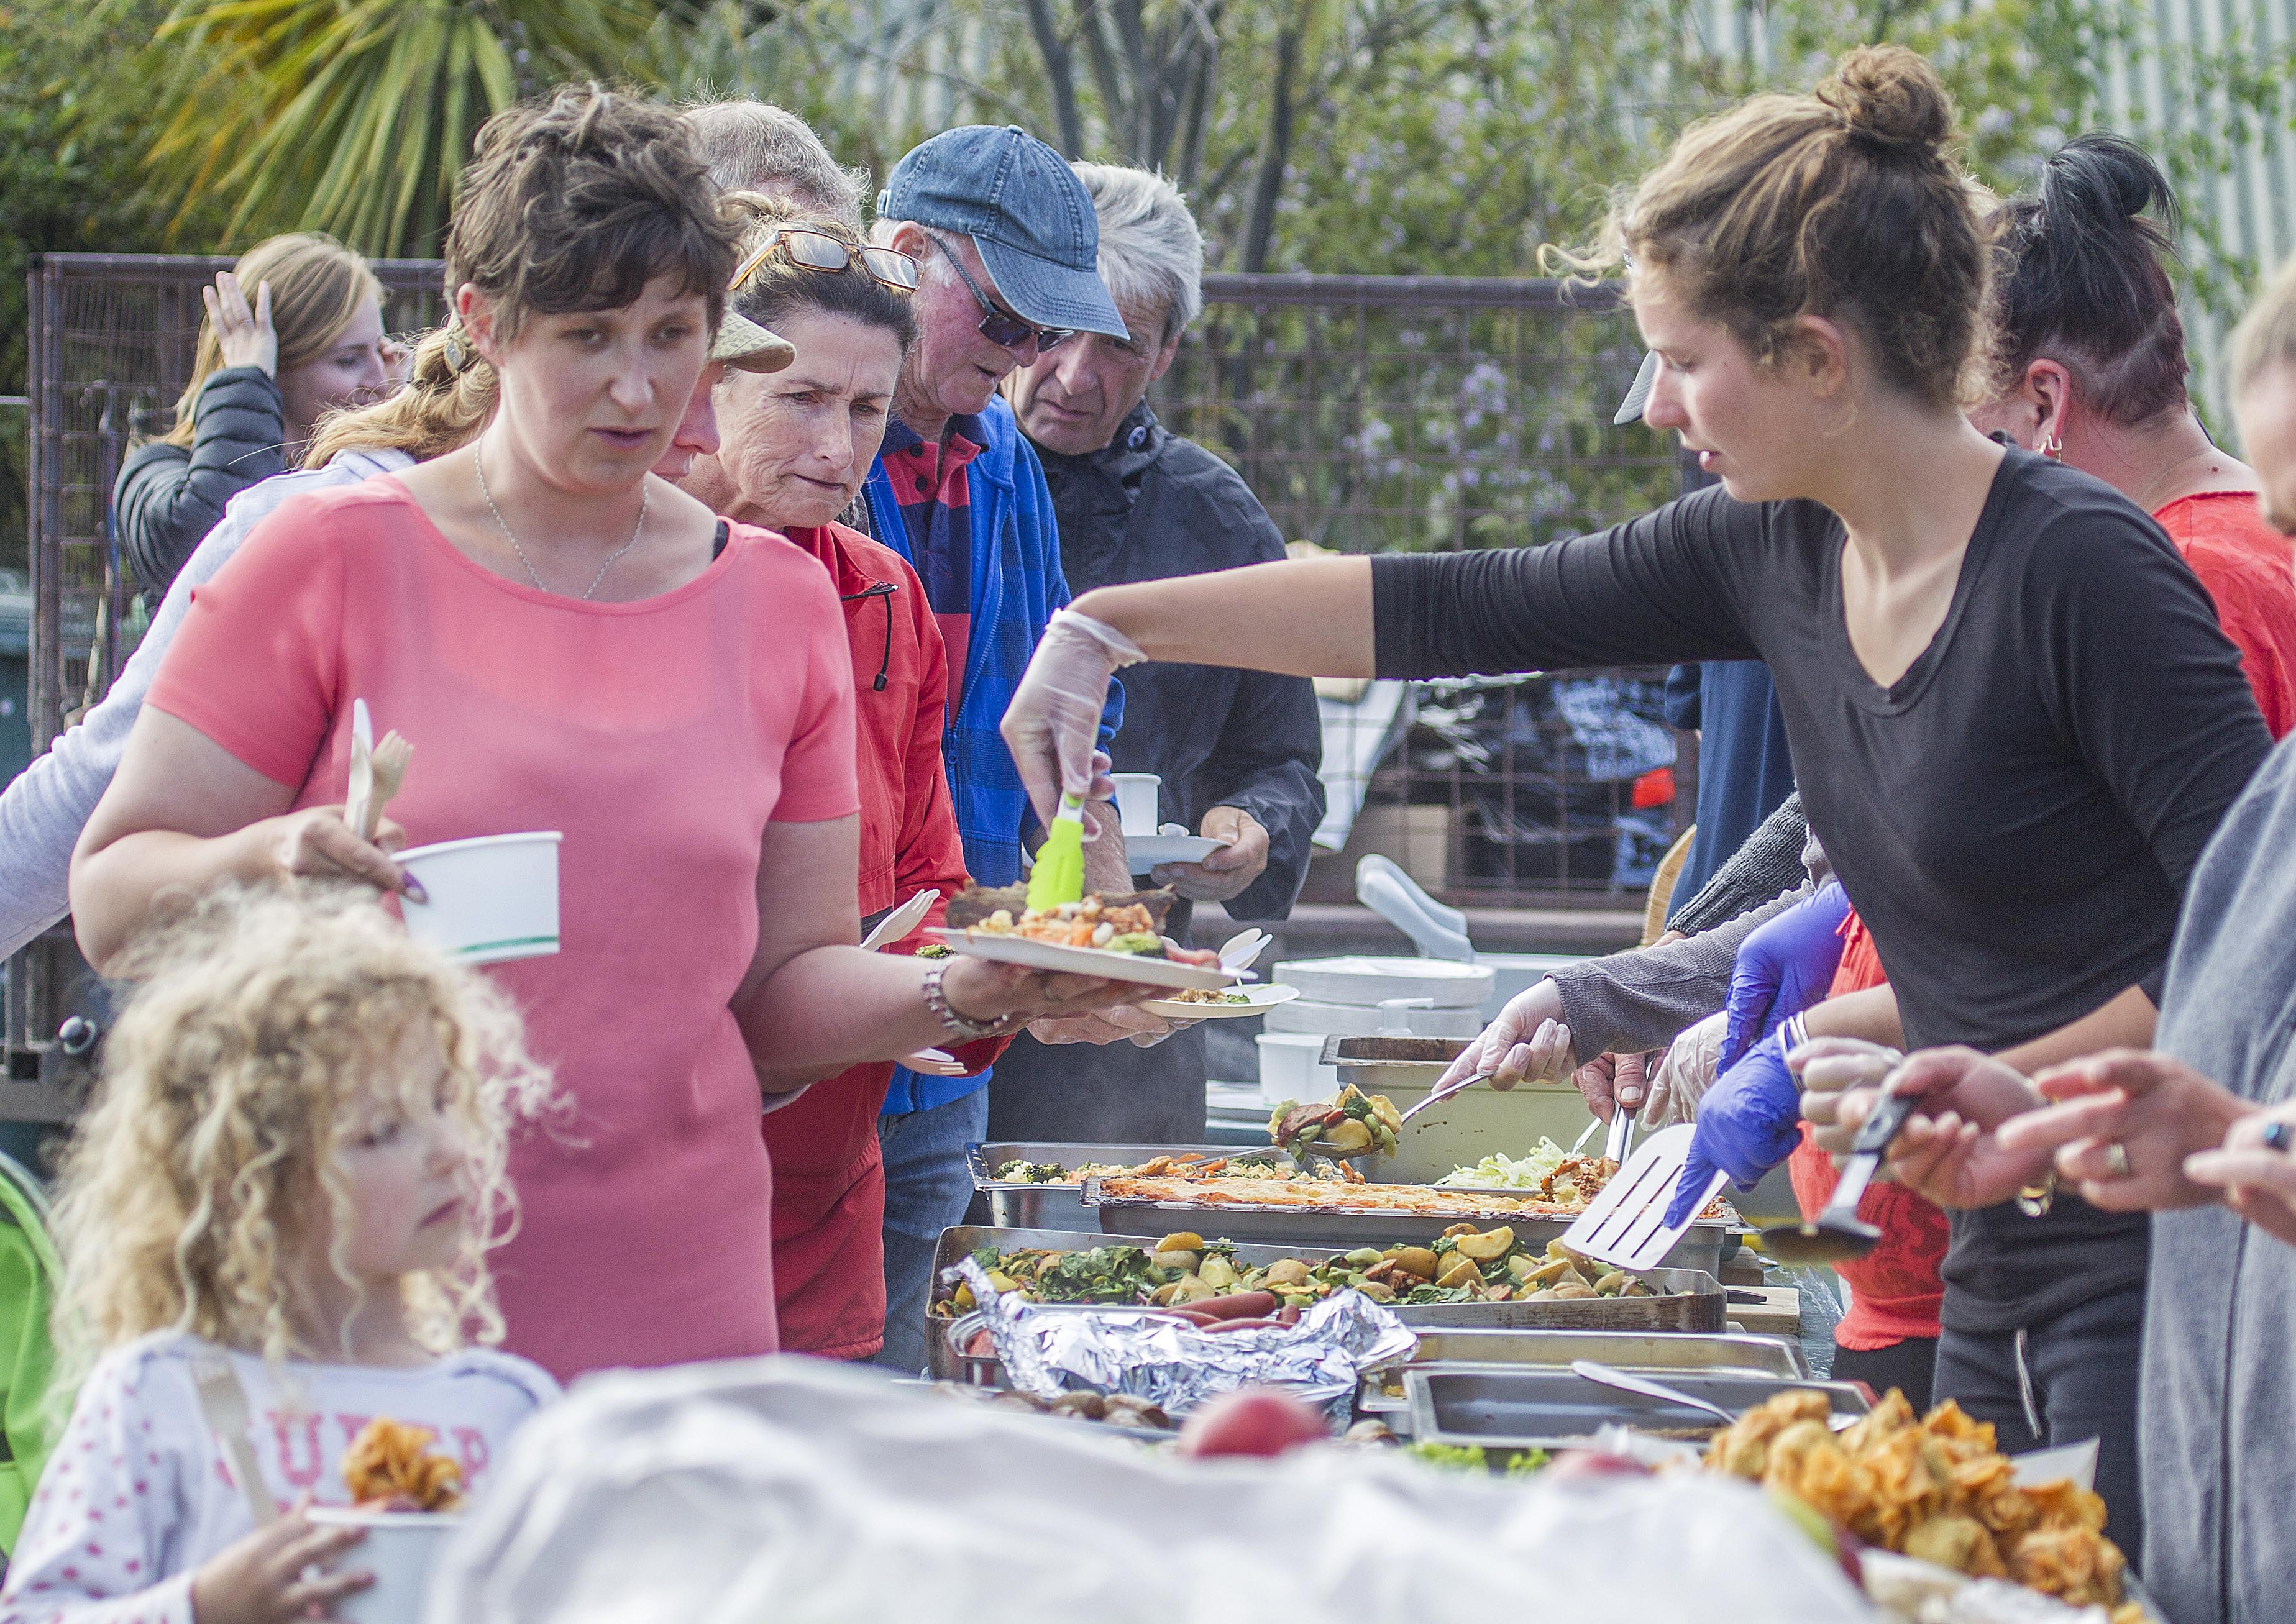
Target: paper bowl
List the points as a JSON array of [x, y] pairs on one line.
[[491, 899], [400, 1550]]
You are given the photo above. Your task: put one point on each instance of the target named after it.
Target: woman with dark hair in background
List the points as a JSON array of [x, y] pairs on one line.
[[293, 330], [2085, 364], [793, 450]]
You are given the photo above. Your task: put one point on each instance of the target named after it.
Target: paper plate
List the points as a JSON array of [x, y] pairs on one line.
[[1144, 851], [1085, 961], [1262, 998]]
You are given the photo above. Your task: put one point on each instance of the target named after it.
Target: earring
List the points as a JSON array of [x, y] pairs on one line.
[[2054, 449], [457, 358]]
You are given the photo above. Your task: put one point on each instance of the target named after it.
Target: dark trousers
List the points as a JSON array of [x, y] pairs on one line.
[[2063, 1381], [1910, 1367]]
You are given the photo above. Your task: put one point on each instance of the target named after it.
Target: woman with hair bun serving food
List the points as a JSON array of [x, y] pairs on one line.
[[572, 644], [2013, 718]]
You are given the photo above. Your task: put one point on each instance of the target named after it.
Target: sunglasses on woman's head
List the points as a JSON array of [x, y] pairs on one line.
[[817, 251], [1001, 327]]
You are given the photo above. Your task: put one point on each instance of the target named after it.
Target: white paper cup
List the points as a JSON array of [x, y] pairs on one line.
[[1135, 801], [490, 900], [399, 1549]]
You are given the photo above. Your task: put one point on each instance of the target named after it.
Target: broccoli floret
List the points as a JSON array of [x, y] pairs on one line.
[[1455, 1458]]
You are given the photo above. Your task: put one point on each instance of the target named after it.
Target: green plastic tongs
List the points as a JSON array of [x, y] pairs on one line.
[[1059, 874]]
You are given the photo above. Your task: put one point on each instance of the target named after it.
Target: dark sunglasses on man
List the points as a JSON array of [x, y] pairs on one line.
[[817, 251], [1000, 326]]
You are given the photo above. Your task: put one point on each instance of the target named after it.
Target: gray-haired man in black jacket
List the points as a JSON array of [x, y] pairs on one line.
[[1237, 751]]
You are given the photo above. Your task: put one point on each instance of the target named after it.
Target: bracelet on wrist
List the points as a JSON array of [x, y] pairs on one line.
[[958, 1027]]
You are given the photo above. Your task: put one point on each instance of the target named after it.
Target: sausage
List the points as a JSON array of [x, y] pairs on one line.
[[1288, 1314], [1238, 1305]]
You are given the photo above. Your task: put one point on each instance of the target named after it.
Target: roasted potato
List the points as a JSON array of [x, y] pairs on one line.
[[1286, 1271], [1217, 1272], [1181, 1240], [1182, 1262], [1345, 1138], [1464, 1271], [1417, 1260], [1491, 1244]]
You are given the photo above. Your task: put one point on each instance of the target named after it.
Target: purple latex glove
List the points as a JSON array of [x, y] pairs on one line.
[[1784, 965], [1747, 1123]]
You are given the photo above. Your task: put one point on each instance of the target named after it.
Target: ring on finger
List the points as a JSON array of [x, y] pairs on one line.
[[2116, 1159]]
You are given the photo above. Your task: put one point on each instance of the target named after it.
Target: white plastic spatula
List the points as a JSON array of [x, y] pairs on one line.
[[1625, 1224]]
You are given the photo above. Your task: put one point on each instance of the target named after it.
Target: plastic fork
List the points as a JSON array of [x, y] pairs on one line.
[[224, 1402]]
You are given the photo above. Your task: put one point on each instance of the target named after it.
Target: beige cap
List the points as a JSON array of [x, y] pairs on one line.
[[742, 343]]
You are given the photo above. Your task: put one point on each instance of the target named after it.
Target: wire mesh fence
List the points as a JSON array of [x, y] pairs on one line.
[[1369, 414]]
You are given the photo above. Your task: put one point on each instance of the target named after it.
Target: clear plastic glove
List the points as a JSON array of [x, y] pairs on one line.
[[1688, 1070], [1125, 1022], [1527, 1044], [1052, 724], [1747, 1124], [1783, 966]]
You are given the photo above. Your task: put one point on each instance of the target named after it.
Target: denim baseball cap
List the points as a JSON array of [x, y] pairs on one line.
[[1023, 208]]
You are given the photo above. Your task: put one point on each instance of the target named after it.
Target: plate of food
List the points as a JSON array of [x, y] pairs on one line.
[[1221, 1003], [1119, 937]]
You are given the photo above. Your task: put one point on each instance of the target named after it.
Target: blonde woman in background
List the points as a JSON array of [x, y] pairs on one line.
[[293, 330]]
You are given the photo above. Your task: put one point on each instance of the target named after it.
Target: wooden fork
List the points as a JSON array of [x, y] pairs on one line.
[[391, 758]]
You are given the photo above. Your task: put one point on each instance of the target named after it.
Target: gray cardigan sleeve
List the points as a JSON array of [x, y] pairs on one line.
[[1769, 861], [1630, 1003]]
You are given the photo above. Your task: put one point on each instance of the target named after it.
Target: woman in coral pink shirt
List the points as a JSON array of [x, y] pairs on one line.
[[571, 645]]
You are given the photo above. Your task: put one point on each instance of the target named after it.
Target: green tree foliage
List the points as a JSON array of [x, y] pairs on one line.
[[355, 116], [71, 180]]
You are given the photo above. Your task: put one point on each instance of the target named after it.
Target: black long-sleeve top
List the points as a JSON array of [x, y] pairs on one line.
[[2016, 817], [1151, 504], [167, 497]]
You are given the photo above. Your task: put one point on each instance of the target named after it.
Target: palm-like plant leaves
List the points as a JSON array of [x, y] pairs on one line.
[[354, 116]]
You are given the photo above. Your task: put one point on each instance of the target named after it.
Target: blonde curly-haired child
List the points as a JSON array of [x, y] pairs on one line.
[[295, 1160]]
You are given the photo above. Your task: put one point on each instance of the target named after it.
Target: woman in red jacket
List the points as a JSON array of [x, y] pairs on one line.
[[792, 456]]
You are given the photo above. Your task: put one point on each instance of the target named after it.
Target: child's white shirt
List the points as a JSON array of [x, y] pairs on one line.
[[139, 1493]]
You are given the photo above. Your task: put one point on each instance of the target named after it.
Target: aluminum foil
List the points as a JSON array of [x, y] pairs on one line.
[[1176, 1367]]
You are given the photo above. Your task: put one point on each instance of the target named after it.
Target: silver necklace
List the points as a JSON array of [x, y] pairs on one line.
[[478, 462]]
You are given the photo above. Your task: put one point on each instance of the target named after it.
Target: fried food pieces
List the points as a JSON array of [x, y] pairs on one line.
[[1935, 1488], [390, 1467]]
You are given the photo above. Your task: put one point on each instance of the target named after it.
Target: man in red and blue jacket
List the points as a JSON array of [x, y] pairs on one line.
[[1006, 245]]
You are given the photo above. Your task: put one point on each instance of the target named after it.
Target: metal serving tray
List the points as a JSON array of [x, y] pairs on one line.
[[1027, 1206], [1696, 1303], [1700, 1248], [1514, 1408], [1657, 1353]]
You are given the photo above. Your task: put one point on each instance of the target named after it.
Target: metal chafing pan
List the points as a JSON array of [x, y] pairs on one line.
[[1029, 1206], [1700, 1248], [1694, 1300], [1664, 1354], [1511, 1407]]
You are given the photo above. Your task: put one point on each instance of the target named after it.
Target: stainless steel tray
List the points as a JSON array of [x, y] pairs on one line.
[[1511, 1407], [1700, 1248], [1658, 1353], [1027, 1206], [1696, 1301]]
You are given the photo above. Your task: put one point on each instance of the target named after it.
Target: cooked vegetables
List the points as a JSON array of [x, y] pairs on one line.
[[1184, 1270], [1348, 1126]]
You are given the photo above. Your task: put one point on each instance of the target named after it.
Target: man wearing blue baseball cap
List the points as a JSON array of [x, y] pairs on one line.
[[1007, 247]]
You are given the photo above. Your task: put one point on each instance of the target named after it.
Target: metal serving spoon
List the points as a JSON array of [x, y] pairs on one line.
[[1837, 1234]]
